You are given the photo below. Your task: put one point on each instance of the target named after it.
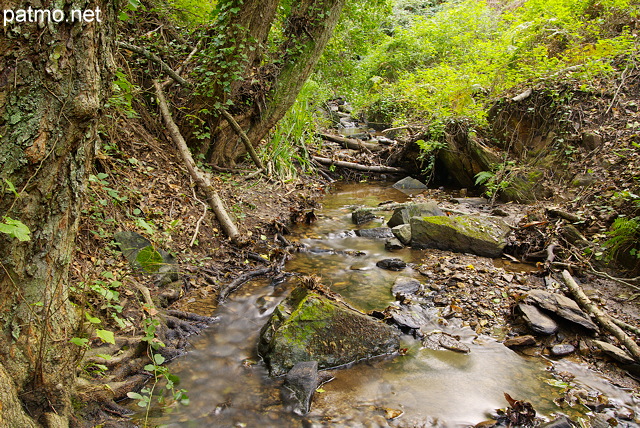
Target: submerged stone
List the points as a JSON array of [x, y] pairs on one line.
[[402, 215], [405, 286], [361, 216], [310, 327], [484, 236], [409, 183], [299, 385], [375, 233]]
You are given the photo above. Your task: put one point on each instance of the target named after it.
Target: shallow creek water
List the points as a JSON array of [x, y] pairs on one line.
[[228, 385]]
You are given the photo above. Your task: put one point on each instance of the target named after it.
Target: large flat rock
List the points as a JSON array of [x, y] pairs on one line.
[[481, 235], [308, 326], [402, 215]]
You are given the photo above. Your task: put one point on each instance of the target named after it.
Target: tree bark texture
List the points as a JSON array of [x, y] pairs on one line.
[[54, 78]]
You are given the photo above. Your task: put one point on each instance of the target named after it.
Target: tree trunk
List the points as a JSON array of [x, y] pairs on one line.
[[54, 79], [308, 28]]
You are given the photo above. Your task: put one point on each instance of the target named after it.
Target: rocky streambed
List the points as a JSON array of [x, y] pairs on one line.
[[419, 324]]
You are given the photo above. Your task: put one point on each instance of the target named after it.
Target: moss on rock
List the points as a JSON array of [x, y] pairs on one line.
[[484, 236], [308, 326]]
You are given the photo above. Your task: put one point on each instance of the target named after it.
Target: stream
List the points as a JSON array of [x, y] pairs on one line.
[[228, 385]]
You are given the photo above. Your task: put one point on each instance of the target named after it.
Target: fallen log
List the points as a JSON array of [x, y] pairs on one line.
[[202, 179], [351, 143], [603, 319], [358, 167]]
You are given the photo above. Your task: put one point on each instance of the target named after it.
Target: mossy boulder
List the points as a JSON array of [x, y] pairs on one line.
[[484, 236], [402, 215], [308, 326]]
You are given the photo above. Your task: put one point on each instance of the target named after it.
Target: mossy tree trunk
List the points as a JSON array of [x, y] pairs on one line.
[[264, 86], [54, 78]]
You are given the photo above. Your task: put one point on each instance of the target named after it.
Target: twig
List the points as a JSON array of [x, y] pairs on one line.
[[628, 327], [409, 127], [245, 140], [351, 143], [199, 222], [600, 316], [155, 58], [595, 272], [146, 295], [615, 95]]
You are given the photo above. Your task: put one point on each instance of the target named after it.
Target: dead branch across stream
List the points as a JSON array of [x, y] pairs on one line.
[[351, 143], [358, 167]]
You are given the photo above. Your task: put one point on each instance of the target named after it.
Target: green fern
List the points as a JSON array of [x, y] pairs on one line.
[[483, 177], [625, 236]]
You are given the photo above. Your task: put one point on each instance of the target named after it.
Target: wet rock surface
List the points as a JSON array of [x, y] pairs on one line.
[[484, 236], [405, 286], [391, 264], [375, 233], [299, 386], [403, 233], [402, 215], [308, 326], [362, 216]]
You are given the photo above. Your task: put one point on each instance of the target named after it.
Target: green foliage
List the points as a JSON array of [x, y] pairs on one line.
[[624, 237], [9, 226], [150, 259], [496, 180], [222, 57], [129, 7], [288, 144], [15, 229], [436, 61], [123, 93], [169, 394]]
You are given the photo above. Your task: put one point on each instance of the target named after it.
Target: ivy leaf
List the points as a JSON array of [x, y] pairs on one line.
[[15, 228], [106, 336], [79, 341], [92, 319]]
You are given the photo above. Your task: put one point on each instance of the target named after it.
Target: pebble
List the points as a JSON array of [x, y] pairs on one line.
[[562, 350], [527, 340]]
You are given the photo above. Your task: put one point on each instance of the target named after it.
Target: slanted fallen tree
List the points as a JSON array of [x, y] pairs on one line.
[[603, 319], [201, 178]]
